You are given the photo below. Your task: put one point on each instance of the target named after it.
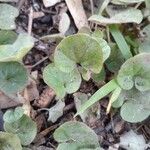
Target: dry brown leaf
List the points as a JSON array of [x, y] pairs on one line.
[[77, 11], [45, 98], [6, 102]]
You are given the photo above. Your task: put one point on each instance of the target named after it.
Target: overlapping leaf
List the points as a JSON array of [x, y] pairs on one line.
[[60, 81], [135, 72], [13, 115], [76, 135], [9, 141], [13, 77], [17, 50], [79, 49], [25, 128], [136, 105], [8, 14], [126, 16]]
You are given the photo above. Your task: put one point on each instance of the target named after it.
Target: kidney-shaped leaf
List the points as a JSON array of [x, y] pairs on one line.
[[133, 112], [17, 50], [76, 135], [25, 128], [79, 49], [13, 77], [9, 141], [61, 82], [125, 16], [13, 115], [135, 72], [136, 105], [8, 14], [7, 37]]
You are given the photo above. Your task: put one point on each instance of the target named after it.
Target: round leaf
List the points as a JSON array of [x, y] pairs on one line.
[[135, 72], [17, 50], [13, 115], [62, 82], [136, 105], [13, 77], [9, 141], [79, 49], [133, 112], [78, 134], [25, 128], [8, 14]]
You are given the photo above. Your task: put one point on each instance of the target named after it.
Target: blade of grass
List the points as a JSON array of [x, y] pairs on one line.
[[102, 92], [113, 98], [120, 40]]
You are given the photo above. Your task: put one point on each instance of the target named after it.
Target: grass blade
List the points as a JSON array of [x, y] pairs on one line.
[[118, 37], [102, 92], [113, 98]]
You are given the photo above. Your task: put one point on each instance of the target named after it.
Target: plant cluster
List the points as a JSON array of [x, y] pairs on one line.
[[85, 55]]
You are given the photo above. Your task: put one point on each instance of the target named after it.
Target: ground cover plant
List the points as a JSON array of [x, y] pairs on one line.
[[74, 75]]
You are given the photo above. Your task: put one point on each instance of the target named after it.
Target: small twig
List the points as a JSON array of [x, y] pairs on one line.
[[137, 5], [30, 21], [108, 34], [39, 62], [92, 7], [20, 4]]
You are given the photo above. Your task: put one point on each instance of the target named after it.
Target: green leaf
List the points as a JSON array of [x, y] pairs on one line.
[[7, 37], [13, 77], [8, 14], [76, 135], [133, 112], [120, 40], [102, 92], [103, 44], [136, 105], [135, 72], [144, 45], [11, 115], [98, 78], [130, 15], [25, 128], [17, 50], [79, 49], [115, 59], [9, 141], [62, 82]]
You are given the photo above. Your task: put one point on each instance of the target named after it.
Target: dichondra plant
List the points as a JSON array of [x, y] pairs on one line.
[[132, 87]]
